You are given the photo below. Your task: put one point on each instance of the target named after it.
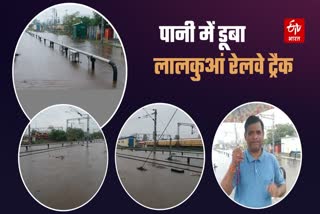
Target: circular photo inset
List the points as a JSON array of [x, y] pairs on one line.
[[63, 157], [160, 156], [70, 53], [256, 155]]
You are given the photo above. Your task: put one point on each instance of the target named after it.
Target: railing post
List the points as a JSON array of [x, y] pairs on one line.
[[115, 71], [92, 62]]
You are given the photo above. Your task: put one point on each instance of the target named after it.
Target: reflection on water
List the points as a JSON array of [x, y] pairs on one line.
[[39, 66], [289, 163], [65, 178], [44, 76]]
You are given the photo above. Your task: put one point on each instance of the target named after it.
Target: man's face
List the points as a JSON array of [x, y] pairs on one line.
[[254, 137]]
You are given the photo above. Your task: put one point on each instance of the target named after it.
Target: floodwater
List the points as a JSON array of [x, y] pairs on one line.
[[27, 149], [65, 178], [44, 76], [157, 186], [222, 159]]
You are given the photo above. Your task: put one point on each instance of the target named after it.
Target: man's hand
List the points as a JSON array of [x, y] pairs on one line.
[[273, 190], [226, 183], [237, 156]]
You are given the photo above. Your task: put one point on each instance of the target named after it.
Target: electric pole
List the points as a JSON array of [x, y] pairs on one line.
[[155, 130], [30, 139], [102, 29], [178, 130]]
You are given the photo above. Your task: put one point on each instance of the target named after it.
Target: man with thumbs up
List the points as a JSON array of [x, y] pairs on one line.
[[255, 173]]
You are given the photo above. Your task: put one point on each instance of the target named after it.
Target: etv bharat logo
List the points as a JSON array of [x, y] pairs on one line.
[[294, 30]]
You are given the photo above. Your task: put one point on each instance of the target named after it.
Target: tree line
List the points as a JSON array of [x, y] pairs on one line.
[[72, 134]]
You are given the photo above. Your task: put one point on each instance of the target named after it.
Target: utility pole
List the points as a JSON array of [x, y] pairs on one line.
[[154, 126], [102, 29], [178, 130], [273, 130], [271, 117], [155, 130], [170, 147], [87, 129], [30, 139], [83, 117], [88, 124]]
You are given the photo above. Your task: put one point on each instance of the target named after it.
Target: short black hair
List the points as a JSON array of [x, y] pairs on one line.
[[251, 120]]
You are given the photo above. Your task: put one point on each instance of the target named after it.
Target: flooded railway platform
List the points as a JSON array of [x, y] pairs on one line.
[[155, 181], [64, 178], [44, 76]]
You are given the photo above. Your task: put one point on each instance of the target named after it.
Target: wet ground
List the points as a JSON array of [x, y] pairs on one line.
[[44, 76], [222, 160], [158, 186], [27, 149], [67, 177]]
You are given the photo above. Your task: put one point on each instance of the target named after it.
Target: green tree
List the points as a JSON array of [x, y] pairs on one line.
[[33, 132], [69, 21], [57, 135], [280, 131], [86, 20], [96, 135], [74, 134], [96, 20]]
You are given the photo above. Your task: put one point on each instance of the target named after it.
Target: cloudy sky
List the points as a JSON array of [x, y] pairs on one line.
[[57, 115], [141, 122], [64, 9]]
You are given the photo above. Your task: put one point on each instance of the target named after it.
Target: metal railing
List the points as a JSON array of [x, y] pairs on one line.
[[90, 56]]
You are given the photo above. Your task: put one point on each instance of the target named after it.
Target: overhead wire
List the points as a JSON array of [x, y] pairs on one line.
[[142, 167]]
